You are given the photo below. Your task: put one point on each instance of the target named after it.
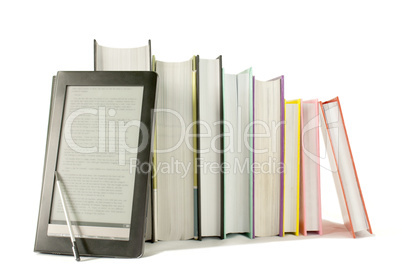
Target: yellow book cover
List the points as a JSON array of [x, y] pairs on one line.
[[292, 167]]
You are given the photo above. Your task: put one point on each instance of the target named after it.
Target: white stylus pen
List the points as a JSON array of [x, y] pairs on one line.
[[70, 230]]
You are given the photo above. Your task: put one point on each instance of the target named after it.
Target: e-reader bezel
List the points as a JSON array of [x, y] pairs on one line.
[[87, 246]]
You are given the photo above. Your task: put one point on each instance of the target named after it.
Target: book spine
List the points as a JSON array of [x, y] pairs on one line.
[[223, 176], [154, 164], [302, 186], [252, 160], [298, 167], [196, 145], [251, 153], [222, 131], [150, 55], [282, 178], [95, 54], [317, 122]]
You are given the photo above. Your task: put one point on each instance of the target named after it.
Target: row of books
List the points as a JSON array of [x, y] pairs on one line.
[[231, 155]]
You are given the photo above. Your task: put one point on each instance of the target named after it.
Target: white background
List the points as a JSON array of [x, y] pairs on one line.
[[348, 49]]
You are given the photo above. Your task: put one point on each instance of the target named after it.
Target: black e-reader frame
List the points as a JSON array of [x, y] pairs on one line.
[[134, 246]]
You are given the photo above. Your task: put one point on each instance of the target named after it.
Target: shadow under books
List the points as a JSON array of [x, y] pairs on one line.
[[330, 230]]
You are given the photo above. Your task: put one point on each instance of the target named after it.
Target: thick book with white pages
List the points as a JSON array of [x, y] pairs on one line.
[[292, 167], [268, 156], [343, 168], [209, 154], [310, 192], [174, 185], [238, 155], [122, 59], [126, 59]]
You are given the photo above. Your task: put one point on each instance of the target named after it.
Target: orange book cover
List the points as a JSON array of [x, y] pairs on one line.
[[343, 167]]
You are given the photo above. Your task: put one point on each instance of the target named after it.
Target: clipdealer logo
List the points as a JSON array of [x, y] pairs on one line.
[[110, 132]]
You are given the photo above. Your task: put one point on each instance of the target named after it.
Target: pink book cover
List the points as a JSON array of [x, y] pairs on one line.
[[310, 187]]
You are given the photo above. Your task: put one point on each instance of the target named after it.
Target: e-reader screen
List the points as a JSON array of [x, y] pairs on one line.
[[98, 148]]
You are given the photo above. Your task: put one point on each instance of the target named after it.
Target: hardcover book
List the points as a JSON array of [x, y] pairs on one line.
[[343, 168], [238, 155], [310, 192], [292, 167], [268, 156]]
